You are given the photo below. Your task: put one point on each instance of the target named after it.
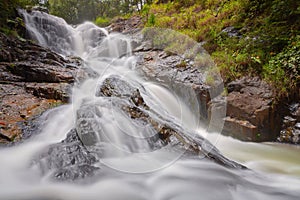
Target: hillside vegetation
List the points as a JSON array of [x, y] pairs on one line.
[[244, 37]]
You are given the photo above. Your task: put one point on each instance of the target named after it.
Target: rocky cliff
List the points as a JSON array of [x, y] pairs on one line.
[[32, 80]]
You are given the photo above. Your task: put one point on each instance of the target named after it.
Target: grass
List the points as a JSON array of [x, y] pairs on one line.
[[268, 33]]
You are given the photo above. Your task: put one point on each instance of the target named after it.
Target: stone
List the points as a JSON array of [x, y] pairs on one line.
[[188, 83], [127, 97], [250, 110], [33, 79], [40, 72], [240, 129], [16, 103], [68, 160], [290, 130], [56, 91]]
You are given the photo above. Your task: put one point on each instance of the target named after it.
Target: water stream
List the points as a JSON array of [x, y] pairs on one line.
[[130, 169]]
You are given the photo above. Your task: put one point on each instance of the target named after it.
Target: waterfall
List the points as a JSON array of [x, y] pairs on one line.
[[133, 164]]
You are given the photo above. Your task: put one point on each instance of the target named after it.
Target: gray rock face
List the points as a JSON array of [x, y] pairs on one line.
[[247, 112], [69, 159], [28, 62]]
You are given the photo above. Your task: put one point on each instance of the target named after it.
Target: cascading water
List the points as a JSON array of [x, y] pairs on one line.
[[152, 172]]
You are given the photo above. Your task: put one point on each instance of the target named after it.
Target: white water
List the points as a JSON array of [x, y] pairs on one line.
[[125, 173]]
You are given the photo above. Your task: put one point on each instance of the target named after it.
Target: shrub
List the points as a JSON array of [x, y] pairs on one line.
[[283, 70], [102, 21]]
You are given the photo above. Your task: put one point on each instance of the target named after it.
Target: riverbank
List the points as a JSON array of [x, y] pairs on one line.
[[254, 109]]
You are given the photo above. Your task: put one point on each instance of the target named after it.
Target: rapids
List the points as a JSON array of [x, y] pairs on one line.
[[129, 168]]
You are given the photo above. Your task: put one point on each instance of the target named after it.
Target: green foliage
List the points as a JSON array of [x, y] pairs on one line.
[[9, 20], [145, 10], [284, 69], [24, 3], [7, 11], [171, 41], [102, 21], [151, 20], [78, 11], [265, 28], [74, 11]]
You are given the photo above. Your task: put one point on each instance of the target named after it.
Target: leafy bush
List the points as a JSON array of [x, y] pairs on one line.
[[102, 21], [9, 20], [284, 69], [151, 20]]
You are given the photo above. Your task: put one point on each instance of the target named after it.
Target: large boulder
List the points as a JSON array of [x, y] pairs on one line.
[[252, 113]]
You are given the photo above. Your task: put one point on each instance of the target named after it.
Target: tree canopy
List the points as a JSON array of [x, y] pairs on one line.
[[77, 11]]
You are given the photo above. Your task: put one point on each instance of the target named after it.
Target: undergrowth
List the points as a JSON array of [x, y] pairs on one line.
[[266, 43]]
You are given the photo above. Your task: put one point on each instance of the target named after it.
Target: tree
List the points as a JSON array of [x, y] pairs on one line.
[[77, 11]]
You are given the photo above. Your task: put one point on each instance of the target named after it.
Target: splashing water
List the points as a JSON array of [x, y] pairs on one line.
[[161, 174]]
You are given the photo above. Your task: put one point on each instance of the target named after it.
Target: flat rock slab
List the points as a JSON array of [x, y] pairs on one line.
[[32, 80], [17, 106]]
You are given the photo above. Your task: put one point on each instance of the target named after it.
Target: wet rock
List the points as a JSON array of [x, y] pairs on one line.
[[68, 160], [17, 105], [56, 91], [187, 82], [40, 72], [251, 113], [32, 80], [290, 132], [295, 111], [127, 97], [87, 126], [5, 137], [28, 62], [116, 87]]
